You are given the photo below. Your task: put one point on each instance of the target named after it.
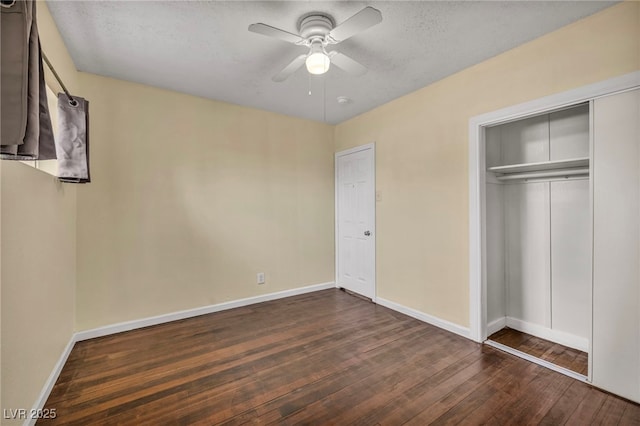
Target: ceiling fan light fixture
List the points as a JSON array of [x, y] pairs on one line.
[[318, 63]]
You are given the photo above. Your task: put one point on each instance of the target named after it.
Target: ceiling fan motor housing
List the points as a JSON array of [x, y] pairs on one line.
[[315, 26]]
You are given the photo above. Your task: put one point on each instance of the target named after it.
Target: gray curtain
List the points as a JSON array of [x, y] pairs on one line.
[[72, 144], [26, 132]]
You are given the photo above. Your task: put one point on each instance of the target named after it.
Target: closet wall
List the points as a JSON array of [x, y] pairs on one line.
[[538, 226]]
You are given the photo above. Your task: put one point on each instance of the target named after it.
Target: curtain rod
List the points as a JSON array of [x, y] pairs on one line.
[[72, 101]]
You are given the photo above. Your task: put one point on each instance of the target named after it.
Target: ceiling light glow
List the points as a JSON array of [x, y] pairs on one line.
[[318, 63]]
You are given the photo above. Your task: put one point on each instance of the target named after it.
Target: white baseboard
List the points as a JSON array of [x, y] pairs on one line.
[[560, 337], [51, 380], [160, 319], [496, 325], [429, 319], [190, 313]]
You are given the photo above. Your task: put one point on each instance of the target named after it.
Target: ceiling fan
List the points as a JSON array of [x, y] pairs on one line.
[[317, 31]]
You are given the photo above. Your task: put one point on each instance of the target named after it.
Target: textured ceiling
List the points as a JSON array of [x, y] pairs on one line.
[[203, 48]]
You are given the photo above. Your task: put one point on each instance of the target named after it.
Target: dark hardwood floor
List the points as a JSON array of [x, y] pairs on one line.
[[320, 358], [563, 356]]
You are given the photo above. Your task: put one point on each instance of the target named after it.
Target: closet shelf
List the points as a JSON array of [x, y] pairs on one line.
[[560, 165]]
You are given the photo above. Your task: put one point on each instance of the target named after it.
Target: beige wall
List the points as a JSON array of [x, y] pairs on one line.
[[38, 279], [191, 198], [37, 260], [422, 160]]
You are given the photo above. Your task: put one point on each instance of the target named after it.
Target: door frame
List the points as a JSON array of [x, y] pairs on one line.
[[477, 175], [372, 147]]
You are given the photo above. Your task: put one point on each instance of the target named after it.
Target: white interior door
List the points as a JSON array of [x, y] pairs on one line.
[[355, 220]]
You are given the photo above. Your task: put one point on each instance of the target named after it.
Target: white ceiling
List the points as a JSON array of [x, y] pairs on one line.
[[203, 48]]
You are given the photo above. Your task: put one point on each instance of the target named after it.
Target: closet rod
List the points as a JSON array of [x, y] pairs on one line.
[[551, 173], [72, 101]]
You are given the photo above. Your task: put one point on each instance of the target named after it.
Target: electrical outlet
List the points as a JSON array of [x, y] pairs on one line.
[[260, 277]]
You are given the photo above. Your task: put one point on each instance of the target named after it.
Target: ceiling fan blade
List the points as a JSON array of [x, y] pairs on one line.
[[367, 17], [347, 64], [290, 69], [270, 31]]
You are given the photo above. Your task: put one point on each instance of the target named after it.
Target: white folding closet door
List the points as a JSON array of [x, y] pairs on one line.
[[616, 244]]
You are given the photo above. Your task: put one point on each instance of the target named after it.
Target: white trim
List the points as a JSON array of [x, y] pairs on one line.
[[51, 380], [560, 337], [591, 232], [335, 220], [372, 147], [477, 310], [429, 319], [359, 148], [538, 361], [189, 313], [374, 296], [477, 291], [496, 325]]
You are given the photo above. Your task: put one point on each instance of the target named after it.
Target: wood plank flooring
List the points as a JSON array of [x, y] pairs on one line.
[[563, 356], [319, 358]]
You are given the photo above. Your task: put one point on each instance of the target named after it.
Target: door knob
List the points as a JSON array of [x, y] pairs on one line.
[[367, 233]]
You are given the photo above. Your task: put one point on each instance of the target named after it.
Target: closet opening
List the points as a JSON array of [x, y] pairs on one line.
[[538, 238]]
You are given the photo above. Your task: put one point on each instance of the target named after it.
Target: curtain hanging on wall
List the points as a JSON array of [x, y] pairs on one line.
[[26, 126], [27, 133], [72, 144]]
